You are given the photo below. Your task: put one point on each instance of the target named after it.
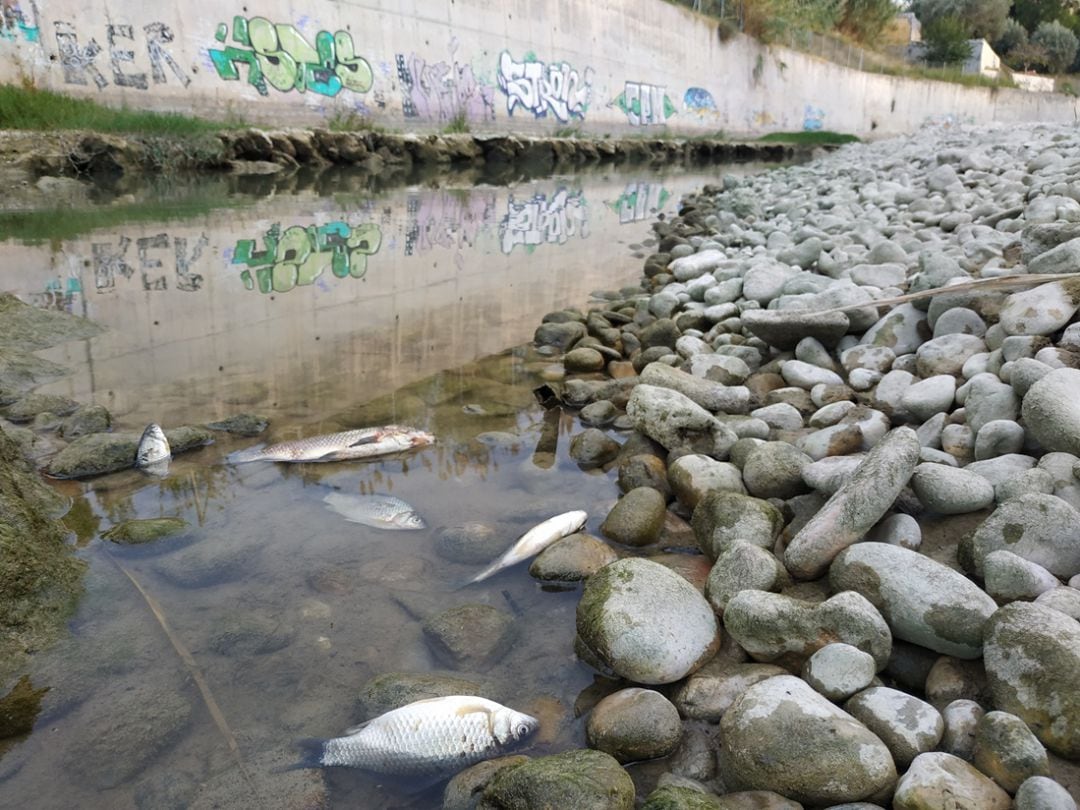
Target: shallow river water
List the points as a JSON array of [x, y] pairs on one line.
[[322, 311]]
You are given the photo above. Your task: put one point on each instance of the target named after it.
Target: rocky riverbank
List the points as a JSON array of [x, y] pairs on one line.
[[886, 490], [30, 162]]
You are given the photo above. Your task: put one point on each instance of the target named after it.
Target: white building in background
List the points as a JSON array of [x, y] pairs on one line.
[[983, 61]]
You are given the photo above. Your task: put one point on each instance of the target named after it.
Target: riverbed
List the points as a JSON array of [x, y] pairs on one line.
[[322, 308]]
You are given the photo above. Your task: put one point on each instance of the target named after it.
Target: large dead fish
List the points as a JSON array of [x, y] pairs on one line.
[[427, 738], [535, 540], [154, 453], [378, 511], [349, 444]]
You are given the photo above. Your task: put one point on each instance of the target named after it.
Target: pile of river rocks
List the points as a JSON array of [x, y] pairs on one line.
[[887, 492]]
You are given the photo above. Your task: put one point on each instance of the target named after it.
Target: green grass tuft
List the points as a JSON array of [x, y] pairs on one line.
[[458, 124], [30, 108], [816, 138]]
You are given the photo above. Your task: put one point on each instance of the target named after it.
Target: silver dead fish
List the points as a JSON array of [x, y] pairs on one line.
[[380, 511], [154, 452], [432, 738], [349, 444], [535, 540]]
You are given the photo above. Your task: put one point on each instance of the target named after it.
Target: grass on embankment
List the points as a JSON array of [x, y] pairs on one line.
[[821, 137], [30, 108], [53, 225]]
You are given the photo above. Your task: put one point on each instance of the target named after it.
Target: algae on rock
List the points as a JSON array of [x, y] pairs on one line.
[[39, 578]]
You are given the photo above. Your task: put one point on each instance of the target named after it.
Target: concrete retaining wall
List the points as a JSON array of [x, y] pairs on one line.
[[529, 66]]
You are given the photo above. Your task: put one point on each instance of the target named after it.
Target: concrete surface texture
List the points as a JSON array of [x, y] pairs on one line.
[[596, 67]]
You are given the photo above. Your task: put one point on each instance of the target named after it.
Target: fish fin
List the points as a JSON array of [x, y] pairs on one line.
[[243, 456], [357, 729], [374, 437], [311, 754]]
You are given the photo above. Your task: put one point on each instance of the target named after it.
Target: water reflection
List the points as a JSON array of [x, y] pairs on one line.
[[321, 313]]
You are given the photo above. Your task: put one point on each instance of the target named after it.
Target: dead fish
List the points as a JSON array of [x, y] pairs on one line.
[[349, 444], [380, 511], [535, 540], [154, 452], [427, 738]]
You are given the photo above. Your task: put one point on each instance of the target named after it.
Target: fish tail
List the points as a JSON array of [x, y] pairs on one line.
[[487, 572], [312, 750]]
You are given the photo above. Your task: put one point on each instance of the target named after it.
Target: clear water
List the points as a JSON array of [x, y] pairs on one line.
[[321, 310]]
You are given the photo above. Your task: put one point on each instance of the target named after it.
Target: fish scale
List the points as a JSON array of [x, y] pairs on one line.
[[379, 511], [348, 444], [427, 738], [416, 746]]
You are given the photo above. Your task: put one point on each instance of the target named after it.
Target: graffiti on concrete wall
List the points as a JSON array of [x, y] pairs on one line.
[[644, 104], [948, 120], [813, 118], [446, 218], [298, 255], [154, 257], [442, 91], [640, 201], [278, 56], [700, 102], [759, 119], [19, 20], [541, 87], [80, 62], [539, 220]]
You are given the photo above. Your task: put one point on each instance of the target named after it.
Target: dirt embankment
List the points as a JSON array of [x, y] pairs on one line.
[[35, 166]]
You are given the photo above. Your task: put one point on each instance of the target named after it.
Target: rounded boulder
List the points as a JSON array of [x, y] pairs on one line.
[[634, 724], [781, 735], [645, 622]]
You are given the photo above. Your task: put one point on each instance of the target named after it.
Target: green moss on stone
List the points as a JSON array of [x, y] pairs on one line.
[[135, 532], [39, 577], [671, 797], [583, 779]]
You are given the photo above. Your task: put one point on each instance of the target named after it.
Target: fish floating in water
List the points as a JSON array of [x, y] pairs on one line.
[[154, 452], [428, 738], [349, 444], [535, 540], [380, 511]]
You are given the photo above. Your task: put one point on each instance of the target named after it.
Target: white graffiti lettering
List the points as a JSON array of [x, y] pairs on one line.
[[540, 87]]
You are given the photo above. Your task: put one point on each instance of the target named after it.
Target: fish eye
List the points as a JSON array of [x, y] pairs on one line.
[[522, 730]]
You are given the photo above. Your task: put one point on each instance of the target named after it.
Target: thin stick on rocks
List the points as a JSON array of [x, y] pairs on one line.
[[1020, 280], [193, 669]]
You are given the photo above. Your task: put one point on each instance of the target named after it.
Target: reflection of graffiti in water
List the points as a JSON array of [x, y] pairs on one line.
[[60, 294], [640, 201], [446, 219], [277, 54], [111, 260], [16, 19], [299, 255], [538, 220]]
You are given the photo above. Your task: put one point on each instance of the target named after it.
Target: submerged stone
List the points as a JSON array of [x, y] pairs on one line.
[[136, 532]]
